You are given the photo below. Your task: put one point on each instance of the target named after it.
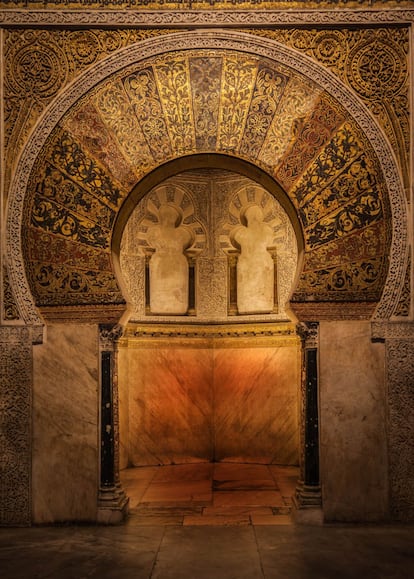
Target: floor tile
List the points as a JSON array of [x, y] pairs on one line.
[[178, 493], [208, 553], [217, 520], [184, 472], [232, 510], [271, 519], [247, 498], [238, 551]]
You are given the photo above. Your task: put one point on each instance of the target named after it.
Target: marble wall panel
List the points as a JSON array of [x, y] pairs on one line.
[[65, 424], [170, 405], [256, 404], [353, 447], [201, 404]]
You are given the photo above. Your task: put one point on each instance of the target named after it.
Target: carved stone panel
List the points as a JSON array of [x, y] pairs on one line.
[[210, 205], [15, 425], [400, 363]]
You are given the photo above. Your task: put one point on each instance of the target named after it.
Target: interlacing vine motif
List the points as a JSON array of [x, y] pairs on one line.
[[39, 63], [404, 305], [371, 61], [325, 164], [10, 309]]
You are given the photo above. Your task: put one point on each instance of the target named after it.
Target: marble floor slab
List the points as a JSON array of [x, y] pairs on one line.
[[160, 551], [222, 494]]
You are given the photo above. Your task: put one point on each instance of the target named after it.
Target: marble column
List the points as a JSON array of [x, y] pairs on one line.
[[308, 497], [112, 501]]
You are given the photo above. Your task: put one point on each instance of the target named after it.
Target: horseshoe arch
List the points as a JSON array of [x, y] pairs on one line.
[[206, 93]]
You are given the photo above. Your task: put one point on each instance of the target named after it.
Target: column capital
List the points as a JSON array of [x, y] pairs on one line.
[[308, 333], [109, 334]]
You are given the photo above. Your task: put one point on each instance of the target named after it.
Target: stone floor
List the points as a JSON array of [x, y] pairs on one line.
[[219, 525], [211, 494]]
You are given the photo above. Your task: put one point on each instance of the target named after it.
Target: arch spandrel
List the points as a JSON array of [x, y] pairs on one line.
[[253, 101]]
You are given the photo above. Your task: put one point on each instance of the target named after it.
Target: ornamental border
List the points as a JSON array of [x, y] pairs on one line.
[[206, 39], [201, 18]]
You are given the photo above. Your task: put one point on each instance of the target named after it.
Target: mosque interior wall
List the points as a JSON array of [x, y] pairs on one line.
[[88, 174]]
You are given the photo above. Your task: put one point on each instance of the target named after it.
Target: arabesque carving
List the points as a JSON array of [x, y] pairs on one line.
[[327, 115], [248, 16], [400, 372], [10, 309], [403, 307], [15, 425]]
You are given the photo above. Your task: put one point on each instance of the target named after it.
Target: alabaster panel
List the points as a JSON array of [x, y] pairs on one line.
[[170, 405], [65, 425], [256, 404], [354, 471]]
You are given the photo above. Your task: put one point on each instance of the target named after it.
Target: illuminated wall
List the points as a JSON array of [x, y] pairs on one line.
[[209, 399]]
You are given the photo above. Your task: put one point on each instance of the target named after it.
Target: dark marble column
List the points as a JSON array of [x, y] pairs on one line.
[[112, 501], [308, 492]]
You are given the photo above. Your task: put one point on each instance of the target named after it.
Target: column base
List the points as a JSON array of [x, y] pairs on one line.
[[113, 505], [307, 505]]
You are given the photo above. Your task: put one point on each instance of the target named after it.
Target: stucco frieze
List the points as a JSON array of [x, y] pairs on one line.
[[201, 18]]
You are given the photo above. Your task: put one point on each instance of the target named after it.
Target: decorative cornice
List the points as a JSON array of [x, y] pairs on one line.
[[152, 334], [327, 311], [83, 314], [201, 18]]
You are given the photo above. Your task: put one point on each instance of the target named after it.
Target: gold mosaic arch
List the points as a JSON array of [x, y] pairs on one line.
[[228, 94]]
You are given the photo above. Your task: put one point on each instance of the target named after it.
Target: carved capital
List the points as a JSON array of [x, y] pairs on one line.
[[109, 334], [308, 333]]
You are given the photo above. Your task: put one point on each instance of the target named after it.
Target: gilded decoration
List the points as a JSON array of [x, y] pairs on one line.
[[325, 164], [221, 49], [39, 63], [373, 62]]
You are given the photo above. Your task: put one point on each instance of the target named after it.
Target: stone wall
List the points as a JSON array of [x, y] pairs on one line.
[[65, 425], [353, 423], [199, 403]]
